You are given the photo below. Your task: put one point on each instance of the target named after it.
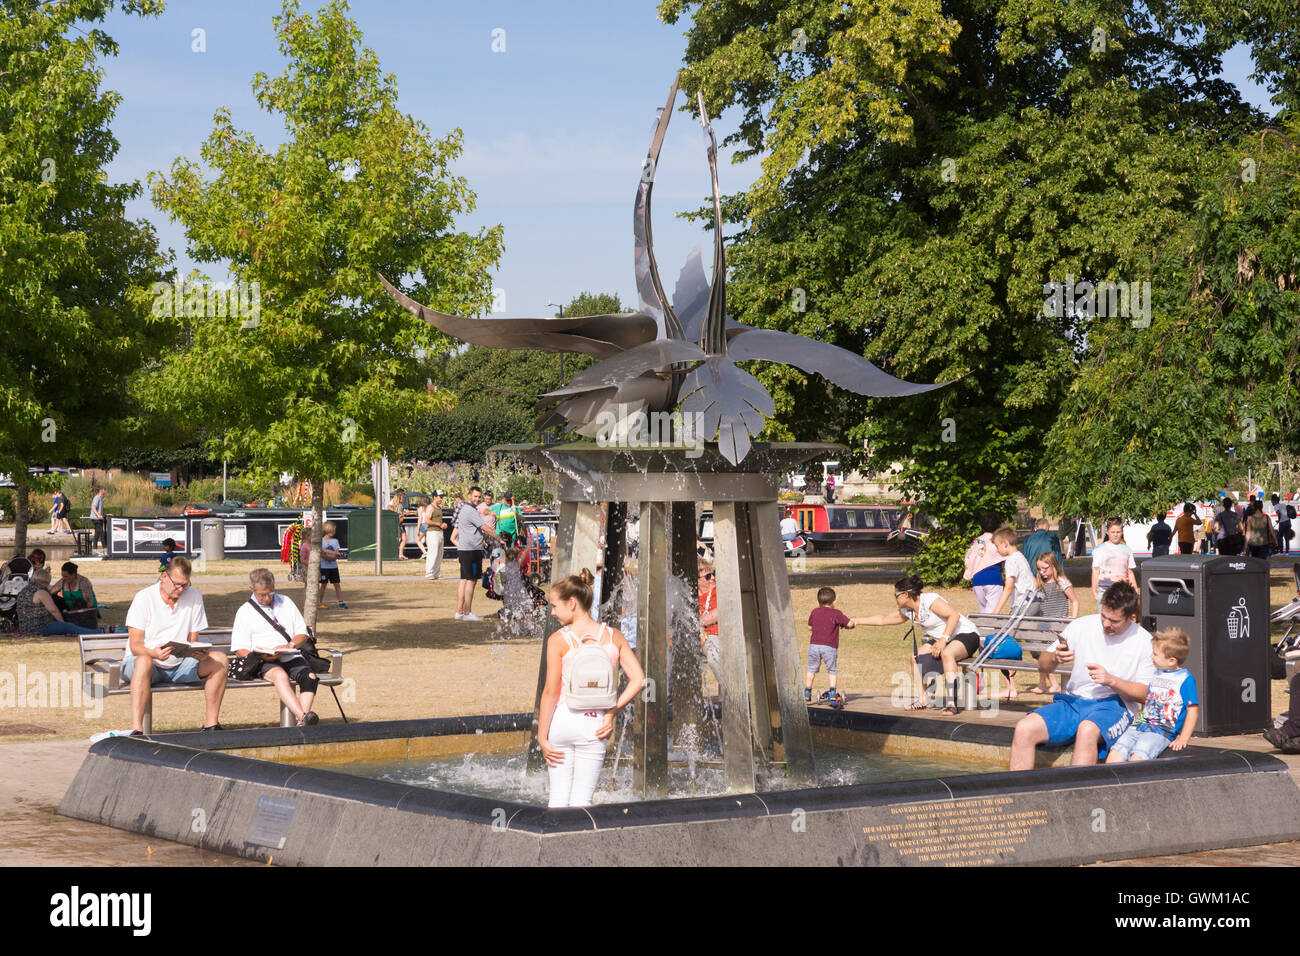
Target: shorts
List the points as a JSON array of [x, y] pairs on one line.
[[1066, 711], [186, 672], [471, 565], [968, 640], [297, 668], [823, 652], [1141, 741], [329, 575]]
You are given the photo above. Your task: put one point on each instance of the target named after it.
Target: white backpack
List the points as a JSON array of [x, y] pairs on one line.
[[592, 684]]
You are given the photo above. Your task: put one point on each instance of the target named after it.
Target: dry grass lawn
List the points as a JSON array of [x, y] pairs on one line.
[[405, 654]]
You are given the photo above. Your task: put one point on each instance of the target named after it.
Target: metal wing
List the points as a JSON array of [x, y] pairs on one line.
[[733, 404], [838, 366], [635, 378], [691, 297], [599, 336], [649, 289]]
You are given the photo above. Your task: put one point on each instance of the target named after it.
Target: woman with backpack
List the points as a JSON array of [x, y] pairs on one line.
[[580, 699]]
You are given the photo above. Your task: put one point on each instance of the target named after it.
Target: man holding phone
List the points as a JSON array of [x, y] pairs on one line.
[[168, 611], [1111, 659]]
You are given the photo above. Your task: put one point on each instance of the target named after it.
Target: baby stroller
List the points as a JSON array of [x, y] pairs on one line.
[[1289, 646], [13, 578]]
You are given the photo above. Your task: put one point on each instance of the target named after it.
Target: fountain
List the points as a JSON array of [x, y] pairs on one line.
[[267, 793]]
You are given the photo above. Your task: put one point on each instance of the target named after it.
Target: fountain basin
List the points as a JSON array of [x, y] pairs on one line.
[[248, 793]]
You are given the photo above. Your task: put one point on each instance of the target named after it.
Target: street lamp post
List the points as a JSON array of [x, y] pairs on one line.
[[561, 315]]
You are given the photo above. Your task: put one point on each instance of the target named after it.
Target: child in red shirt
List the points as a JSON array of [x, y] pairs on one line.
[[825, 621]]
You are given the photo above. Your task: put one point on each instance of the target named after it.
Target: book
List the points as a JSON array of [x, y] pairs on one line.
[[186, 649]]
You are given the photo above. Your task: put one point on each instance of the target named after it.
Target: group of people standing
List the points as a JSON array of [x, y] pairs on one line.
[[1234, 529]]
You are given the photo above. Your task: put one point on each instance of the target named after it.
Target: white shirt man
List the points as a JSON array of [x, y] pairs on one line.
[[1110, 655], [170, 611], [789, 528], [255, 633]]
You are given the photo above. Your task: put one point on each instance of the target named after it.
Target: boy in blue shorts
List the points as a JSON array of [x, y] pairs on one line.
[[1169, 714], [1110, 657]]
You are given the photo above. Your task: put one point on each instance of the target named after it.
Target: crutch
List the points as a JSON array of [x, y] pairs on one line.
[[1019, 610]]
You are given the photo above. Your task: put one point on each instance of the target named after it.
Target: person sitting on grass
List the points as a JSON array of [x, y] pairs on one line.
[[1169, 714], [824, 646], [270, 626], [1110, 657], [1058, 601], [949, 638], [73, 591], [39, 614]]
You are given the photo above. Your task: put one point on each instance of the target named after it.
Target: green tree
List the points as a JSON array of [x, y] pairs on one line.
[[323, 379], [71, 263], [1210, 392], [929, 167]]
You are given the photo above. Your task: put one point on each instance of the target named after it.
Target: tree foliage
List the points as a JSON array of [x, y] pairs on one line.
[[71, 263], [928, 167], [324, 380], [1211, 391]]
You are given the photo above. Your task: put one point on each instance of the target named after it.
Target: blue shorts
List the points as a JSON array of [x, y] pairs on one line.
[[1064, 714], [186, 672], [1142, 741]]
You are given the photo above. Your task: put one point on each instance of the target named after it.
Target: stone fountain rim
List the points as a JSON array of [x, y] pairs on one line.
[[207, 754]]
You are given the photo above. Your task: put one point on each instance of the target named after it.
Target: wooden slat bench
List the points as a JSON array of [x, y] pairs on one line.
[[101, 670], [1033, 634]]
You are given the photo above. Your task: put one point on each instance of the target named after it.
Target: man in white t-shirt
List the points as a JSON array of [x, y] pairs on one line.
[[789, 528], [1111, 659], [273, 629], [170, 611]]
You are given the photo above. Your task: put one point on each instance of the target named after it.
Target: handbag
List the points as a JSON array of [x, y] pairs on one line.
[[244, 668], [307, 648]]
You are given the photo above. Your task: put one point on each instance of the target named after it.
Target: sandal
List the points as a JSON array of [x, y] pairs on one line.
[[950, 712], [917, 705]]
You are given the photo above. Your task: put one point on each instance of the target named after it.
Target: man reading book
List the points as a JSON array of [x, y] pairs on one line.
[[270, 626], [170, 610]]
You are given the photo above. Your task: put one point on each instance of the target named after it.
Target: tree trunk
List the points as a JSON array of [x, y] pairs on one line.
[[312, 595], [20, 510]]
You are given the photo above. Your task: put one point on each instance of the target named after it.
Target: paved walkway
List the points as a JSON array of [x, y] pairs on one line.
[[33, 779]]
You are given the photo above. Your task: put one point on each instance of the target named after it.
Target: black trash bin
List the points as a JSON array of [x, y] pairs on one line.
[[1222, 604]]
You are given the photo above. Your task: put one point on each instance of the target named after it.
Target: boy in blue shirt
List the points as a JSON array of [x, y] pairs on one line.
[[1169, 714]]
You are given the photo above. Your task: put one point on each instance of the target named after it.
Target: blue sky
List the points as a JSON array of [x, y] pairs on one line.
[[556, 126]]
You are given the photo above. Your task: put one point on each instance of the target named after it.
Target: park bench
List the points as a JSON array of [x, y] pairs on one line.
[[101, 671], [1033, 634]]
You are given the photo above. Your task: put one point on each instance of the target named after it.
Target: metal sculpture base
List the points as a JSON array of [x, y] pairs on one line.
[[764, 717]]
